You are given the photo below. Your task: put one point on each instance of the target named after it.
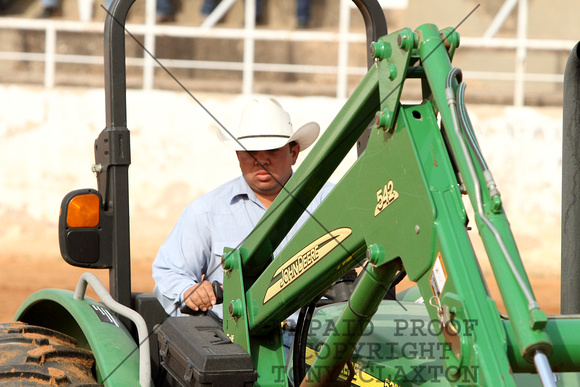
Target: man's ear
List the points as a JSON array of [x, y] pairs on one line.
[[295, 150]]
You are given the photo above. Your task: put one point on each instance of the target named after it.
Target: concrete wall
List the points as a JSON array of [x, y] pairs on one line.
[[46, 150]]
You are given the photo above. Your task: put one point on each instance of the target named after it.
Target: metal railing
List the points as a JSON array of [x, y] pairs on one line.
[[343, 37]]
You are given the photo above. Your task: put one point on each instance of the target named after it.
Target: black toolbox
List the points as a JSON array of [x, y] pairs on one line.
[[196, 352]]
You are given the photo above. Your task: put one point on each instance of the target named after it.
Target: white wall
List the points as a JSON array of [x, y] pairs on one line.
[[46, 150]]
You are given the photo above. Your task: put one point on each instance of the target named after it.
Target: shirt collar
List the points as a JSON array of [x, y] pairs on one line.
[[241, 189]]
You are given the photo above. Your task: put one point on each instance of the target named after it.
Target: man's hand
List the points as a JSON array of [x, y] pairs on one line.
[[200, 297]]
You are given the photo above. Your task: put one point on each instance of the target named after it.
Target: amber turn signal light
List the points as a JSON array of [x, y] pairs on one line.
[[83, 211]]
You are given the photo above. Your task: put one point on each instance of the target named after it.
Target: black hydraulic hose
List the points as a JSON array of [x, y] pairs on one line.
[[398, 278], [302, 328], [455, 72], [300, 340], [297, 347], [304, 338]]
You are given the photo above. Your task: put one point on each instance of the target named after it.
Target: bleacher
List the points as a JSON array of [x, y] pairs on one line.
[[218, 60], [328, 58]]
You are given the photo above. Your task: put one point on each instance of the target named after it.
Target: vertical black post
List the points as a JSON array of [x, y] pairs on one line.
[[113, 152], [376, 26], [375, 23], [570, 275]]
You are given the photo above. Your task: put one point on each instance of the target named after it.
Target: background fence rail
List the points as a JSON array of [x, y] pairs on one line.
[[249, 35]]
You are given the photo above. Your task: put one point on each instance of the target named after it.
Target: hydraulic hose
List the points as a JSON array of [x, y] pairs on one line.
[[455, 73], [466, 125], [297, 347], [540, 359], [300, 341]]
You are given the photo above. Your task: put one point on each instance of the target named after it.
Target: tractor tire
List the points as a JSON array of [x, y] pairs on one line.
[[37, 356]]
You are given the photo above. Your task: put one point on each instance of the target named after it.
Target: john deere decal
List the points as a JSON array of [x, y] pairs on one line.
[[304, 260]]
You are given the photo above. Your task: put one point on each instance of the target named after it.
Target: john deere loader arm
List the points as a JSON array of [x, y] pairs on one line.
[[400, 207]]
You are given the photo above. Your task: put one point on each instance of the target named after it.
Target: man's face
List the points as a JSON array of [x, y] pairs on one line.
[[266, 172]]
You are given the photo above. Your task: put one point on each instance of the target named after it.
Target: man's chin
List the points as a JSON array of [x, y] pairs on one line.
[[268, 188]]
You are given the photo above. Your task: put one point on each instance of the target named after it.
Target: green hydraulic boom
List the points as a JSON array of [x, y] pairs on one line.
[[399, 206]]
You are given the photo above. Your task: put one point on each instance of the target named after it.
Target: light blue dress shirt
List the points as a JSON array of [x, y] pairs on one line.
[[221, 218]]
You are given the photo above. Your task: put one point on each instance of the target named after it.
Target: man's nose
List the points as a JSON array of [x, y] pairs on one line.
[[262, 157]]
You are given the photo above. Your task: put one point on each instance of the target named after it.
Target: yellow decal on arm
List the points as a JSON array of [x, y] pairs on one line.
[[305, 260], [385, 197]]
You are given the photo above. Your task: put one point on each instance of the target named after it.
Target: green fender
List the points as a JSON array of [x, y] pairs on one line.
[[95, 328]]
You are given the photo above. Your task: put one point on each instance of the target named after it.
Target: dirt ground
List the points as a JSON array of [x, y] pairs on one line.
[[20, 277]]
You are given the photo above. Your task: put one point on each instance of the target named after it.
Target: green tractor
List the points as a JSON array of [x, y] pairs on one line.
[[401, 214]]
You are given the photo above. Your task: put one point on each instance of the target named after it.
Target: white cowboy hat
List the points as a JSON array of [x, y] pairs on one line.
[[266, 125]]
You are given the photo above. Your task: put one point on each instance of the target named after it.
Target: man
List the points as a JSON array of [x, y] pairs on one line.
[[190, 259]]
